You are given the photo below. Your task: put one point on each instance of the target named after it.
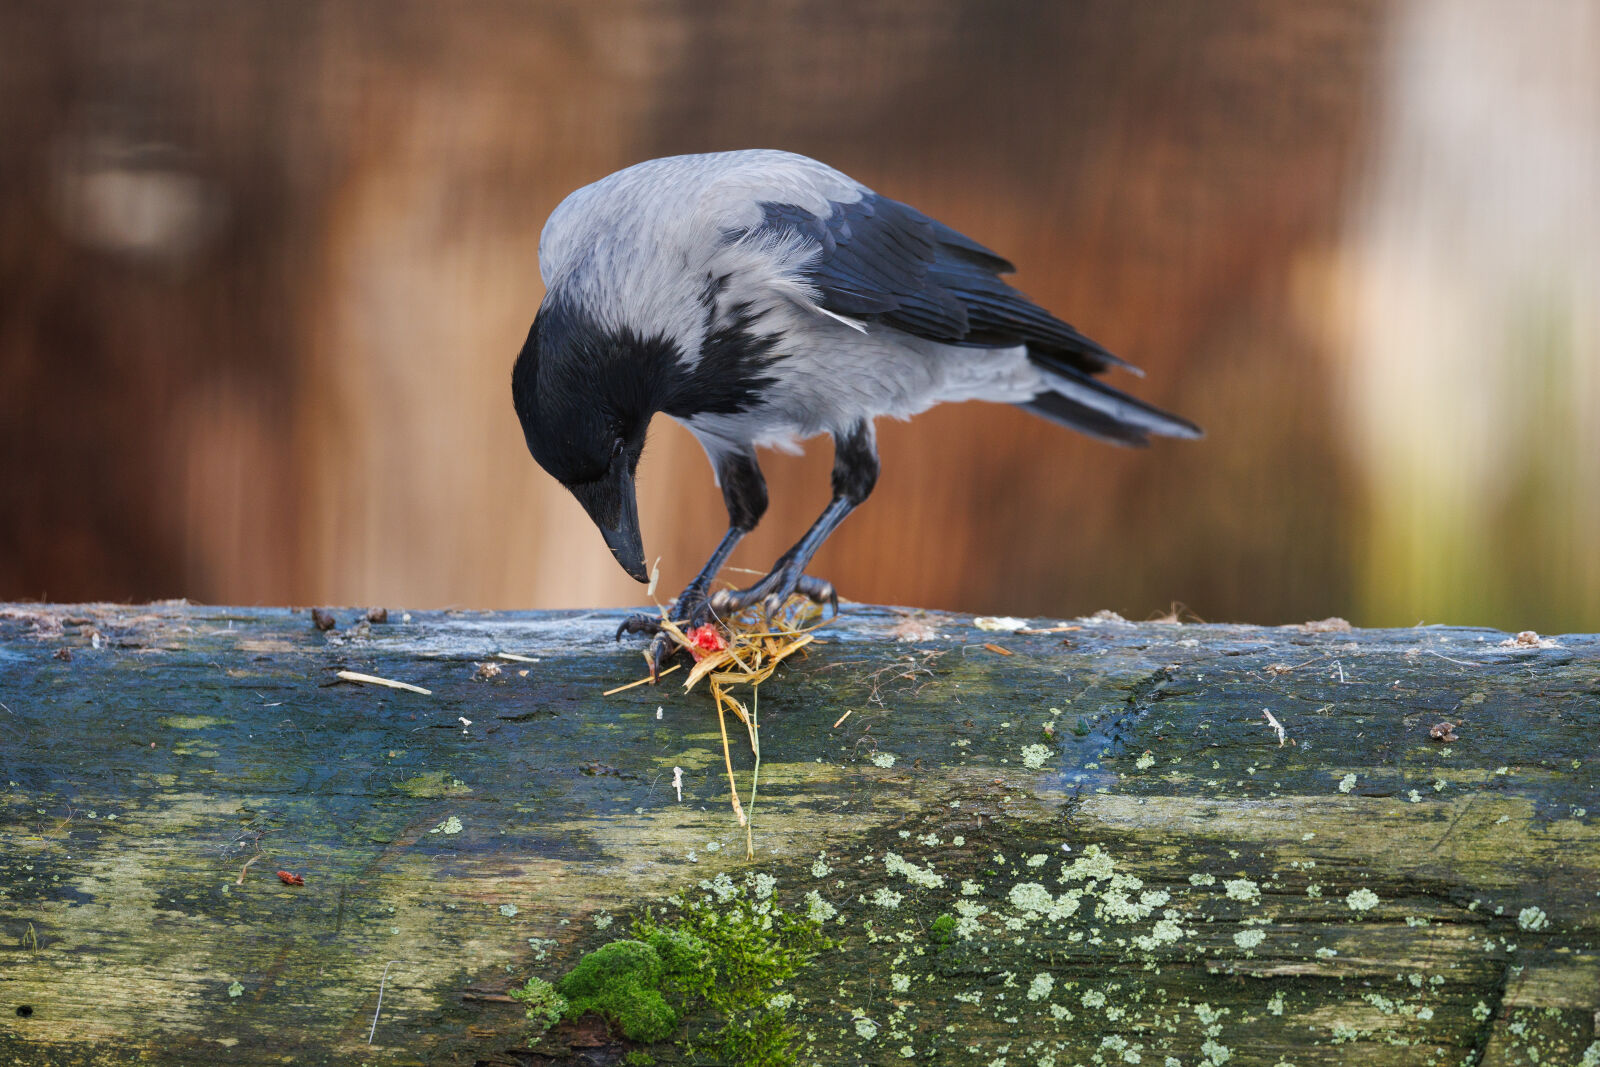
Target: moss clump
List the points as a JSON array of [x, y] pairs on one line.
[[744, 948], [622, 981], [730, 951], [943, 929], [545, 1005]]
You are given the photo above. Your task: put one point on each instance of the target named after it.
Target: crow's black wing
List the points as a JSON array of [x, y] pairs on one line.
[[881, 260]]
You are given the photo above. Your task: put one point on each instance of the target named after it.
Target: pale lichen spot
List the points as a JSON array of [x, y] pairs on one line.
[[918, 876], [1361, 900], [1164, 932], [1242, 889], [1347, 783], [1095, 863], [1249, 939], [1035, 756], [883, 759], [1041, 986], [1532, 918]]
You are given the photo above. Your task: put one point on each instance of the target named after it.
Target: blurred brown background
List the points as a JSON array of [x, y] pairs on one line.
[[264, 267]]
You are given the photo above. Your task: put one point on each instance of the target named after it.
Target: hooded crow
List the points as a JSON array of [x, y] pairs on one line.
[[761, 297]]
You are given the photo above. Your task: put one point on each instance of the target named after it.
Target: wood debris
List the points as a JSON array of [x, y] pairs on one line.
[[1445, 732], [1277, 726], [912, 628], [370, 679], [1528, 639]]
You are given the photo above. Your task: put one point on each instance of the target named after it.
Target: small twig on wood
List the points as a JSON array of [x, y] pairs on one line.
[[997, 650], [843, 717], [727, 758], [1447, 659], [1281, 668], [246, 868], [1050, 630], [513, 657], [370, 679], [379, 1008], [641, 681]]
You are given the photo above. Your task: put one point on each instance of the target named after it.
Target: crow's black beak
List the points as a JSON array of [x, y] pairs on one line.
[[614, 506]]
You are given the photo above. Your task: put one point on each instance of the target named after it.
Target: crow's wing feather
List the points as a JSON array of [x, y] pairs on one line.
[[881, 260]]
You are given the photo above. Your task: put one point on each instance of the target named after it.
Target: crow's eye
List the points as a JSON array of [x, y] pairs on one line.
[[616, 448]]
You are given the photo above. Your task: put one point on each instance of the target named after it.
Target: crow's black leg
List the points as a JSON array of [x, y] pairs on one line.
[[744, 491], [855, 472]]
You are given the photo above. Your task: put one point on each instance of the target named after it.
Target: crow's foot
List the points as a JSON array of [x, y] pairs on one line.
[[773, 591], [639, 623], [689, 611]]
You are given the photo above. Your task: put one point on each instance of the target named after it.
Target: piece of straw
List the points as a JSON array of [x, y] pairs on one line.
[[371, 679]]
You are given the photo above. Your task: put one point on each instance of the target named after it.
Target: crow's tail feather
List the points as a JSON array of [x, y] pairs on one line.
[[1091, 407]]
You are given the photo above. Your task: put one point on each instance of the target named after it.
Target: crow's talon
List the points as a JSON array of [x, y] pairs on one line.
[[661, 652], [818, 591], [639, 624]]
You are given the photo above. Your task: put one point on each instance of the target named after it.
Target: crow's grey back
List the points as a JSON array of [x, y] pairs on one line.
[[638, 248]]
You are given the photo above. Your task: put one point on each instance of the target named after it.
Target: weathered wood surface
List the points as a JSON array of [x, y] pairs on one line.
[[1189, 889]]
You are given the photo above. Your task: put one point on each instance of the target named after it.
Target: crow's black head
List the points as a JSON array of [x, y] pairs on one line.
[[585, 396]]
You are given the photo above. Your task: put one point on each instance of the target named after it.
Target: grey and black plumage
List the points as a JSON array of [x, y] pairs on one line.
[[759, 298]]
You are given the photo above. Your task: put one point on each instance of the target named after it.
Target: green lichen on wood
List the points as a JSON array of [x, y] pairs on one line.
[[545, 1005]]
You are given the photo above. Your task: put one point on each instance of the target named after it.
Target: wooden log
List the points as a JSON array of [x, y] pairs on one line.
[[1095, 850]]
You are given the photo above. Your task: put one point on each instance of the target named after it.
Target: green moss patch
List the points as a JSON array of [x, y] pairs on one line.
[[719, 958]]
